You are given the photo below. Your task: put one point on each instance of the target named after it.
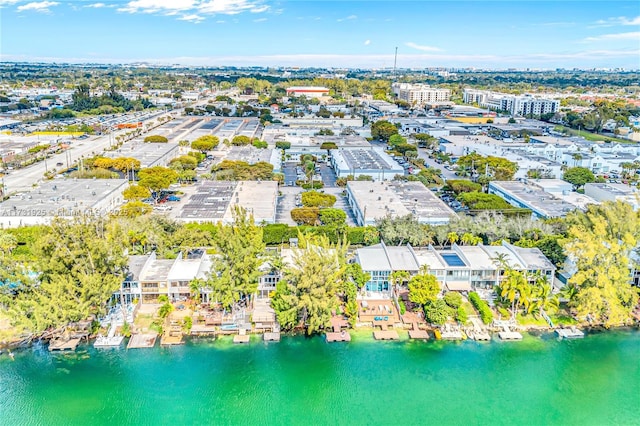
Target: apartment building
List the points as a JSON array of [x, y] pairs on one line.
[[521, 105], [420, 94]]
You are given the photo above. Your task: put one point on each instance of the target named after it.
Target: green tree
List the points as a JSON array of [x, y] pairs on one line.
[[315, 278], [423, 288], [157, 178], [578, 176], [240, 251], [383, 130], [80, 264], [306, 215], [600, 242], [437, 312], [136, 193], [205, 143]]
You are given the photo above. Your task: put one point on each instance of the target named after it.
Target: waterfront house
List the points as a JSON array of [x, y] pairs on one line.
[[457, 268]]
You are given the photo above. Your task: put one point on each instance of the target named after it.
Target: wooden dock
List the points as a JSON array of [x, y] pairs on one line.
[[386, 335], [241, 338], [418, 334], [271, 336], [341, 336], [570, 333], [64, 344], [139, 341]]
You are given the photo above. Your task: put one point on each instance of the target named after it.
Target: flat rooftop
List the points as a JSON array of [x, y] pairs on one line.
[[395, 198], [63, 197], [248, 153], [535, 197], [213, 201], [365, 159], [147, 153]]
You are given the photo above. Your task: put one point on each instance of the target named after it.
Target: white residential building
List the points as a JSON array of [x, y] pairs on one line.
[[517, 105], [420, 94], [457, 268]]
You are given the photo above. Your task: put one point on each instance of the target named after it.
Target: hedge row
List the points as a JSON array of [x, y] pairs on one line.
[[279, 233], [482, 307]]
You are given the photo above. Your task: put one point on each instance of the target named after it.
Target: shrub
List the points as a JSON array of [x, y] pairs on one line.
[[317, 199], [403, 308], [306, 215], [453, 299], [260, 144], [316, 185], [283, 145], [481, 306], [461, 315], [328, 145], [156, 139]]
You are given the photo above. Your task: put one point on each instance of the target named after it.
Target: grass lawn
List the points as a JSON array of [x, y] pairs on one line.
[[143, 321], [589, 135], [531, 320]]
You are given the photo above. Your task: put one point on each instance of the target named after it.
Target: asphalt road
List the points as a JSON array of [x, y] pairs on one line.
[[24, 179]]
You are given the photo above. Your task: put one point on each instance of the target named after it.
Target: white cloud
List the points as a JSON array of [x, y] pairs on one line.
[[367, 42], [196, 19], [8, 2], [38, 6], [96, 5], [231, 7], [348, 18], [421, 47], [619, 20], [260, 20], [194, 8], [153, 6], [635, 35]]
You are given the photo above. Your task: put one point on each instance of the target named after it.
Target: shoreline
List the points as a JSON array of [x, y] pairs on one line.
[[360, 335]]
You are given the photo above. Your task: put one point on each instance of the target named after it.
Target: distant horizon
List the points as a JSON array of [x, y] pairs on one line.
[[160, 64], [492, 35]]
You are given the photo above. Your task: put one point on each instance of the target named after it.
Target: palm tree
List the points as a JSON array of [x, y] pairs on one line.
[[576, 157]]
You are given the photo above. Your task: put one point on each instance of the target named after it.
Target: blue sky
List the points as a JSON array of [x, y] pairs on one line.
[[333, 33]]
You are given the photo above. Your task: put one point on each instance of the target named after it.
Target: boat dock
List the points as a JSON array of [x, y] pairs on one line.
[[110, 340], [138, 341], [570, 333], [417, 334], [478, 332], [64, 344], [339, 336], [450, 332], [271, 336], [507, 334], [241, 338], [386, 335]]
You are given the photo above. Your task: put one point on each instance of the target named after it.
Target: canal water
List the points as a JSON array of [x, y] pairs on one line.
[[305, 381]]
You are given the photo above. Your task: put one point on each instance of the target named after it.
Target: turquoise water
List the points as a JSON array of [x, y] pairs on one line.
[[593, 381]]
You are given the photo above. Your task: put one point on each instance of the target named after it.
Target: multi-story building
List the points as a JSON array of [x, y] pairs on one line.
[[420, 94], [516, 105], [457, 268]]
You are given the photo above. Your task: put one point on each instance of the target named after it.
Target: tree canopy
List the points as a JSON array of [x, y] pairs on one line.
[[578, 176]]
